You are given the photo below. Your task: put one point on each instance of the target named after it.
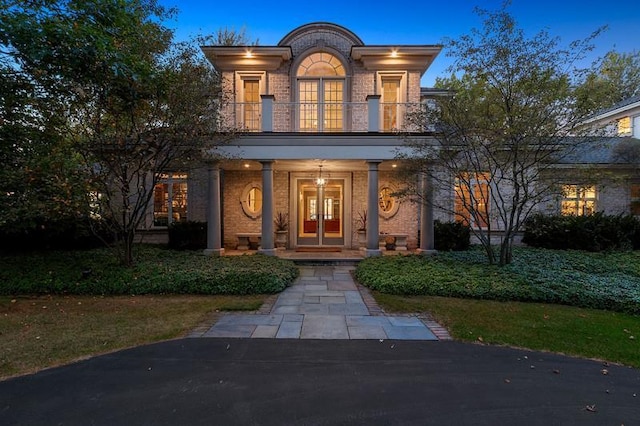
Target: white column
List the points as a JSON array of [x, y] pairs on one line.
[[427, 245], [373, 227], [214, 235], [268, 214]]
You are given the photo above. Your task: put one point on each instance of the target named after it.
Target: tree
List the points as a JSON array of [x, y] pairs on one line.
[[498, 138], [132, 104], [616, 78], [41, 179]]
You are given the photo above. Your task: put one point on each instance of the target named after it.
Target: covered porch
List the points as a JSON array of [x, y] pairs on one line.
[[323, 198]]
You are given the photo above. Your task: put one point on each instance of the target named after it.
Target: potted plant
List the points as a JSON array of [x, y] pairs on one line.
[[361, 225], [281, 223]]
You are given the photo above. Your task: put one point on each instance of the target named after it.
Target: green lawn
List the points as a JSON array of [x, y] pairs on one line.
[[578, 303], [590, 333]]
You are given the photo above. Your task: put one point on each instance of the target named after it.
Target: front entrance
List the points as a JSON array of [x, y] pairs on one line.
[[320, 212]]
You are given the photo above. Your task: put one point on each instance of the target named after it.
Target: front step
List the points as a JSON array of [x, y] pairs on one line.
[[326, 261]]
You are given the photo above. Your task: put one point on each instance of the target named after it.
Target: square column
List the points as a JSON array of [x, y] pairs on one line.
[[373, 226], [214, 236], [267, 246]]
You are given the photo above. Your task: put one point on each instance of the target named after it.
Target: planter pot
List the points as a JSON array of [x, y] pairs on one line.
[[281, 239], [362, 239]]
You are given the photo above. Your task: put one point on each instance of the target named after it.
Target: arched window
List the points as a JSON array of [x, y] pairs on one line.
[[321, 93]]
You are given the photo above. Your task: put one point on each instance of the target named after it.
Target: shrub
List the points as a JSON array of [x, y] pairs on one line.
[[596, 232], [609, 280], [156, 271], [188, 235], [80, 233], [451, 236]]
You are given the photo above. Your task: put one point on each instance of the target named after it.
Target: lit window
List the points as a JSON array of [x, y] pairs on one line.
[[390, 103], [578, 200], [251, 104], [472, 199], [624, 126], [321, 93], [170, 199], [635, 199]]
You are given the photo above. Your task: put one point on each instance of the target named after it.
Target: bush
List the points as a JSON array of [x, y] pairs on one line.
[[451, 236], [609, 280], [156, 271], [188, 235], [80, 233], [596, 232]]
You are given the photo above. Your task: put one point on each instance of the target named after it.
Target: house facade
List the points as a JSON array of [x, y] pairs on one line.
[[319, 120], [319, 117]]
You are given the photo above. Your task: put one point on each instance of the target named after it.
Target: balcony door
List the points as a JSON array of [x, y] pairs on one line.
[[321, 93]]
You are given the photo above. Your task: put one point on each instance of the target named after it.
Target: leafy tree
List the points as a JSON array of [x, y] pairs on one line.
[[616, 78], [498, 137], [132, 104]]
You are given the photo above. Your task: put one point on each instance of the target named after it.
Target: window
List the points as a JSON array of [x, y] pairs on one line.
[[251, 105], [251, 200], [390, 103], [249, 87], [170, 199], [321, 93], [472, 199], [392, 87], [578, 200], [624, 126], [635, 199]]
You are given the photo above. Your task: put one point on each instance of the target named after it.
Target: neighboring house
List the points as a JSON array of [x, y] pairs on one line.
[[321, 117], [622, 119]]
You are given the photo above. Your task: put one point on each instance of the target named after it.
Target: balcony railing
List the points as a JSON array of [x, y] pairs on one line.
[[336, 117]]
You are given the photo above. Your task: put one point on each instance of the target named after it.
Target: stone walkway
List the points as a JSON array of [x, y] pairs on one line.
[[324, 303]]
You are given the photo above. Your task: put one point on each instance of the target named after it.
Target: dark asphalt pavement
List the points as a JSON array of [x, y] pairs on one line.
[[324, 382]]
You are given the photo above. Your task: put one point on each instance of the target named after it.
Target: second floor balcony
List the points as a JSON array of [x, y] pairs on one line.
[[327, 117]]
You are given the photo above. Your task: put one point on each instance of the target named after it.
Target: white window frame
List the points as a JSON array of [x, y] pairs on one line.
[[241, 77], [625, 126], [170, 179], [381, 76], [580, 200]]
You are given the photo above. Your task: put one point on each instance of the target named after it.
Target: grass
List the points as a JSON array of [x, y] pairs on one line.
[[590, 333], [45, 331], [579, 303]]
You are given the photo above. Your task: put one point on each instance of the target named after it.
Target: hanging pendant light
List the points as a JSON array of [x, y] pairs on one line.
[[320, 181]]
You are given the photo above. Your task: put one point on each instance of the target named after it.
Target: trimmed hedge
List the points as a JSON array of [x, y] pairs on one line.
[[596, 232], [64, 234], [188, 235], [609, 280], [449, 236], [157, 271]]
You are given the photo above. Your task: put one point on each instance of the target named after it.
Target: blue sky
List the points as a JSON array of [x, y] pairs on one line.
[[424, 22]]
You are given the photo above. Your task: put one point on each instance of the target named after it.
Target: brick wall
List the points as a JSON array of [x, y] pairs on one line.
[[235, 220]]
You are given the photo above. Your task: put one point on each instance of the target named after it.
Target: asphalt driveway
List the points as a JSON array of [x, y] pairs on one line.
[[220, 381]]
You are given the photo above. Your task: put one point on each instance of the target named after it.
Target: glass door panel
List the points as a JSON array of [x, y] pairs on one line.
[[308, 90], [332, 209], [320, 213], [333, 105]]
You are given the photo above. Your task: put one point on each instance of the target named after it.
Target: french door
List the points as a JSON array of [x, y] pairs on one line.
[[320, 212], [321, 105]]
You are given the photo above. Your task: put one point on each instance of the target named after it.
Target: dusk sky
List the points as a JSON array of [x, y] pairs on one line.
[[426, 22]]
